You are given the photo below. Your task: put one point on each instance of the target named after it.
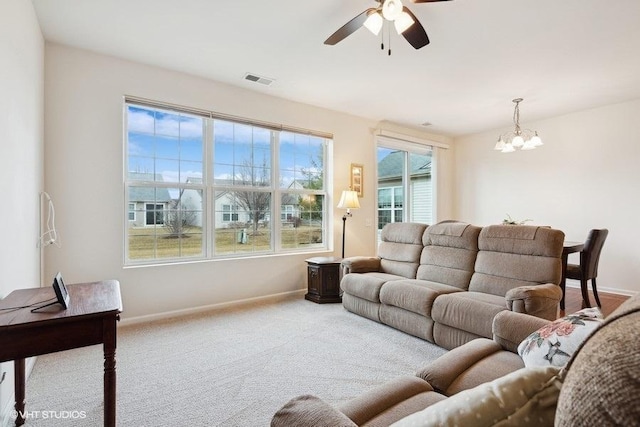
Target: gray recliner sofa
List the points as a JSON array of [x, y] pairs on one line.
[[599, 386], [446, 282]]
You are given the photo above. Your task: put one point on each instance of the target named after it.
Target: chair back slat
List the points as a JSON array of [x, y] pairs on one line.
[[590, 255]]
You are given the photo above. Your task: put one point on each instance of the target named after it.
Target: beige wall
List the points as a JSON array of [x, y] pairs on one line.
[[83, 165], [21, 153], [587, 175], [84, 103]]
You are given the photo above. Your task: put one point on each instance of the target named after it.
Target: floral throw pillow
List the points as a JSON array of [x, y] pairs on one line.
[[555, 343]]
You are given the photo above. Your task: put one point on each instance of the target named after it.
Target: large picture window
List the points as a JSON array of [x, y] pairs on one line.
[[202, 186]]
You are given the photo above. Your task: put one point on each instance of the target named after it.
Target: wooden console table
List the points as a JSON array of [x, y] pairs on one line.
[[94, 309]]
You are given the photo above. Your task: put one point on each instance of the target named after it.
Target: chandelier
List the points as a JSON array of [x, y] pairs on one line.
[[524, 139]]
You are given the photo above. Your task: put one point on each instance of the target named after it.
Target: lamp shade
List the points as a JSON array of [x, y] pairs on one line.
[[349, 200]]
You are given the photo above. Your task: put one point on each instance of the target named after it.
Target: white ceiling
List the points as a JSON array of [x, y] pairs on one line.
[[560, 56]]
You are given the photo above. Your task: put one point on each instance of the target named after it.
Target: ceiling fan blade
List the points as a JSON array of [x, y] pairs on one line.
[[415, 34], [348, 28], [426, 1]]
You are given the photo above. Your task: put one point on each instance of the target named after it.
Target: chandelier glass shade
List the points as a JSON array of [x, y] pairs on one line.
[[523, 139]]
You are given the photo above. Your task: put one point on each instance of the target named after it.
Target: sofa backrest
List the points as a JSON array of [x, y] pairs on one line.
[[449, 253], [601, 386], [516, 255], [400, 248]]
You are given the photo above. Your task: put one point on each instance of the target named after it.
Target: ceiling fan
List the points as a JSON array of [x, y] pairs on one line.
[[404, 21]]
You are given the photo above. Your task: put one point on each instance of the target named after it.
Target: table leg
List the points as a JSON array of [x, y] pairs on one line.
[[109, 346], [563, 281], [19, 384]]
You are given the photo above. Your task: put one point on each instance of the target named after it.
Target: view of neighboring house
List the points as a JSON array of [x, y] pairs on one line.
[[390, 188], [149, 206]]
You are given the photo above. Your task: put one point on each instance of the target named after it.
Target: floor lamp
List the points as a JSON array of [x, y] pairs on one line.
[[348, 201]]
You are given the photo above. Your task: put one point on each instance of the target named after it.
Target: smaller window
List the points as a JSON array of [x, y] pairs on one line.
[[132, 211], [229, 213], [155, 214], [287, 212]]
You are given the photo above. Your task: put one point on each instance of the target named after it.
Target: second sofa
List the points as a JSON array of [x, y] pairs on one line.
[[446, 282]]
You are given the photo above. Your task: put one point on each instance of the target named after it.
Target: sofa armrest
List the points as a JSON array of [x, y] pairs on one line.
[[510, 328], [443, 371], [310, 411], [538, 300], [360, 264], [390, 401]]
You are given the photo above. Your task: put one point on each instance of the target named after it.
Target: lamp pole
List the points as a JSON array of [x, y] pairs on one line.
[[348, 201], [344, 223]]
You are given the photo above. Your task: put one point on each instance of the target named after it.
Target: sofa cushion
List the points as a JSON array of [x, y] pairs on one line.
[[366, 285], [361, 307], [449, 337], [400, 248], [449, 253], [403, 232], [527, 396], [310, 411], [602, 384], [555, 343], [516, 255], [414, 295], [407, 321], [470, 311]]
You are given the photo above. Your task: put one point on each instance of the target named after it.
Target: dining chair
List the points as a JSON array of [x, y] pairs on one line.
[[588, 267]]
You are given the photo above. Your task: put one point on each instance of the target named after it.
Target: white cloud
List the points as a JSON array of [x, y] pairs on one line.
[[164, 124]]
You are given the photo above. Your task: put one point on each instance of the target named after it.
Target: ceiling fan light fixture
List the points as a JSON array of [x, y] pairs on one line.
[[403, 22], [374, 23], [391, 9]]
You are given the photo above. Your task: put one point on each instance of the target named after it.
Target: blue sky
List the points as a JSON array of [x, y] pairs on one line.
[[171, 144]]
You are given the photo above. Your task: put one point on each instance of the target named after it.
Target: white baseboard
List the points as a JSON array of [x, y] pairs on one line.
[[576, 284], [6, 412], [204, 308]]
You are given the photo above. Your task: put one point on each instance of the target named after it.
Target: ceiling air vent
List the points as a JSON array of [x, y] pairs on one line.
[[258, 79]]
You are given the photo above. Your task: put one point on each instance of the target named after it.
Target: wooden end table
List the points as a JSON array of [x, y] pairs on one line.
[[323, 280]]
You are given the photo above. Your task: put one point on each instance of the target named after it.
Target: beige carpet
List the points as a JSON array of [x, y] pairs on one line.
[[230, 367]]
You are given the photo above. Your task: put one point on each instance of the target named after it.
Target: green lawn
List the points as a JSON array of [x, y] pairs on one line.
[[157, 243]]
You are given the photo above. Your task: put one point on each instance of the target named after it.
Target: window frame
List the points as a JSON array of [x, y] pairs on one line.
[[408, 148], [209, 187]]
